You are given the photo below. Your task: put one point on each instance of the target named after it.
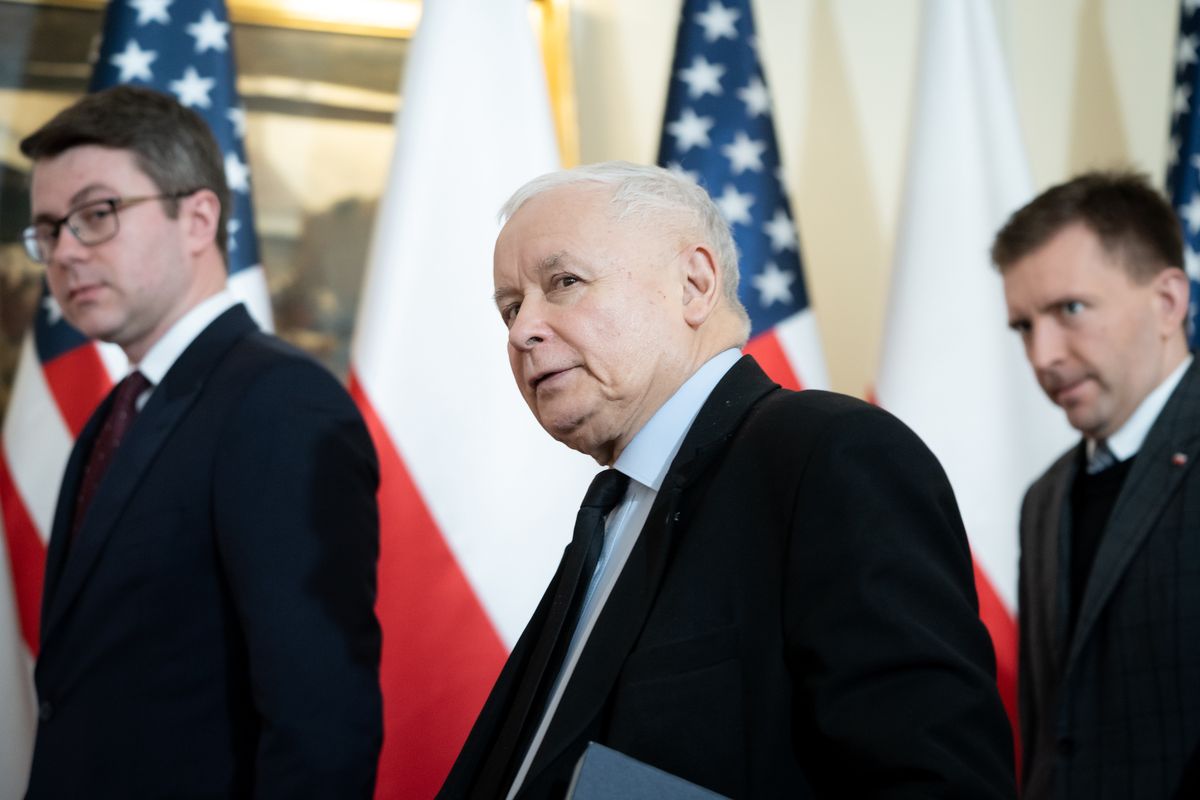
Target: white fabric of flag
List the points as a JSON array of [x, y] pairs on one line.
[[950, 367], [477, 500]]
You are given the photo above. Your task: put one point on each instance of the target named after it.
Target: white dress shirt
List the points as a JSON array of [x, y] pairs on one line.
[[1128, 439], [645, 460], [163, 354]]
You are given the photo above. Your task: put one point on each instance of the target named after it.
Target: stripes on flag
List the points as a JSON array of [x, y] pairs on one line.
[[180, 47], [718, 130], [1183, 153]]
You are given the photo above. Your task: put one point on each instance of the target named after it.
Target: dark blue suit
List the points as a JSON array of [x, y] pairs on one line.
[[211, 631]]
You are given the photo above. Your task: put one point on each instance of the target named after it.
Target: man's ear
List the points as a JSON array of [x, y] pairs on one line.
[[1172, 293], [702, 284], [201, 213]]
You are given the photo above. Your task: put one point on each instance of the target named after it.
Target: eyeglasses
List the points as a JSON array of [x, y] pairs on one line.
[[92, 223]]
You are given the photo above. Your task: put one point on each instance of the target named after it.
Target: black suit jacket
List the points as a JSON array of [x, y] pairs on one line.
[[796, 619], [1114, 710], [211, 631]]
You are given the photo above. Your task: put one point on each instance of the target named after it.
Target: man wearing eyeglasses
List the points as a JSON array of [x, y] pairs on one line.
[[207, 621]]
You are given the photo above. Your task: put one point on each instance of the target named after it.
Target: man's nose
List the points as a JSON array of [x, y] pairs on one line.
[[1044, 346], [66, 249], [530, 326]]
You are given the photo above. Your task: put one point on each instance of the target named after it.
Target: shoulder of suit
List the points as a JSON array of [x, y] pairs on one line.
[[263, 358], [786, 416]]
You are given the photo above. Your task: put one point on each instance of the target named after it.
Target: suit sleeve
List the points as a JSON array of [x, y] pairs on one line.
[[894, 673], [298, 531]]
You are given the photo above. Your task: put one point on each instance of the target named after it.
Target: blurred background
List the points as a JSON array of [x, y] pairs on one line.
[[1091, 80]]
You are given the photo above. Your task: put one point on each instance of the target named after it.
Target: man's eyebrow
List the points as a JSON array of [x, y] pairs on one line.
[[78, 199], [547, 264]]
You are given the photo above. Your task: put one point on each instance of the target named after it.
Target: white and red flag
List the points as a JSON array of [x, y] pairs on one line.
[[949, 367], [477, 501], [185, 50]]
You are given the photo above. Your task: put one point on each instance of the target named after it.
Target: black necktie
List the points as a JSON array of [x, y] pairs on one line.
[[545, 661]]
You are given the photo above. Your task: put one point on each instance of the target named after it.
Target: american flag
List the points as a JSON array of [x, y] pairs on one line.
[[1183, 156], [718, 131], [182, 47]]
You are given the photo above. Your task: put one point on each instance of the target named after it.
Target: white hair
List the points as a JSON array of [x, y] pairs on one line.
[[644, 191]]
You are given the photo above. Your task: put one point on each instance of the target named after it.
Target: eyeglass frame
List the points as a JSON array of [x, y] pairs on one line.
[[29, 236]]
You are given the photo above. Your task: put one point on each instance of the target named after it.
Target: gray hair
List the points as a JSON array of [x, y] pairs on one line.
[[641, 190]]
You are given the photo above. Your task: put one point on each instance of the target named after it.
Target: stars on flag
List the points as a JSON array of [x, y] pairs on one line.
[[782, 231], [718, 22], [237, 174], [193, 89], [134, 63], [1183, 158], [1190, 212], [1180, 99], [691, 130], [237, 117], [719, 131], [755, 96], [209, 33], [152, 11], [232, 228], [774, 285], [52, 309], [702, 77], [735, 206], [744, 153]]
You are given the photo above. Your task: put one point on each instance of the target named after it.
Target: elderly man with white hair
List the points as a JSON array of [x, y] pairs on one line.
[[768, 593]]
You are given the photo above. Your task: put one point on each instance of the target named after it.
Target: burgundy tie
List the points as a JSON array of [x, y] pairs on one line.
[[120, 416]]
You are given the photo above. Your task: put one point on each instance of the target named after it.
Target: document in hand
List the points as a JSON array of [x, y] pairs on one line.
[[604, 774]]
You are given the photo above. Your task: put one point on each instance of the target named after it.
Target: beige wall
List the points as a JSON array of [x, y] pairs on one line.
[[1091, 80]]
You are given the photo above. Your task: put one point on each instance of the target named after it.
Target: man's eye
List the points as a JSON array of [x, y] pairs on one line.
[[509, 313], [1072, 307], [563, 281], [93, 216]]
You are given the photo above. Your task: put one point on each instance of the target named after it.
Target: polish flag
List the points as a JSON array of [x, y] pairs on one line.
[[950, 368], [477, 501]]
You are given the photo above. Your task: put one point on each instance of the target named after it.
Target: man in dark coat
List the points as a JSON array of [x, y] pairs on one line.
[[780, 601], [207, 623], [1109, 595]]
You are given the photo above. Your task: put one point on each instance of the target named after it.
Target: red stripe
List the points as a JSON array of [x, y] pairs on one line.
[[1003, 628], [770, 356], [27, 556], [78, 381], [441, 654]]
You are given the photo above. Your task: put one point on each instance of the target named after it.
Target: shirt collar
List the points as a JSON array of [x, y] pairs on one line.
[[1127, 441], [163, 354], [646, 458]]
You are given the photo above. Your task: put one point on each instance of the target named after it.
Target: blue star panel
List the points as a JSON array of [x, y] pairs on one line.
[[1183, 166], [718, 130]]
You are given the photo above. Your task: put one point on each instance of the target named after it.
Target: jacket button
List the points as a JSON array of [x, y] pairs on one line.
[[1065, 746], [45, 711]]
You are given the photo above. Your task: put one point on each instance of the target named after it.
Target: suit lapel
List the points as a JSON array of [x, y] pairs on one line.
[[628, 606], [1154, 477], [1056, 553], [166, 406]]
